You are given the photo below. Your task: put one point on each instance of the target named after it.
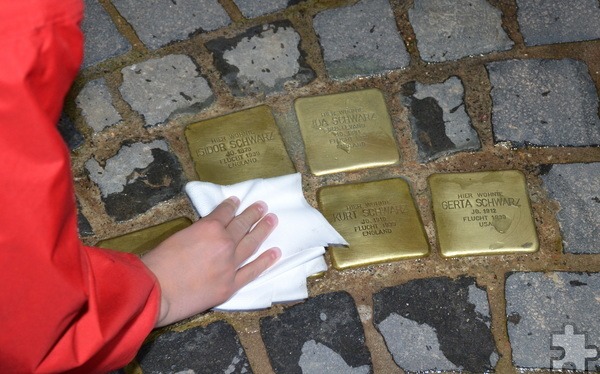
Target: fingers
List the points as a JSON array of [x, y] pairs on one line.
[[241, 225], [251, 241], [225, 212], [250, 271]]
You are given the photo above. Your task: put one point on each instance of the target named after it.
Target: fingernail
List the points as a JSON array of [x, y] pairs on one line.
[[271, 219], [276, 253], [262, 207], [234, 199]]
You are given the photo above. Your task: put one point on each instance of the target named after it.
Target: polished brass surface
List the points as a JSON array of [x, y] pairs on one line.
[[238, 146], [482, 213], [379, 221], [346, 131], [146, 239]]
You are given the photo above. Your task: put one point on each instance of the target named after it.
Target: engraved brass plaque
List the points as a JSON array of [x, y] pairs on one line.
[[379, 221], [482, 213], [143, 240], [346, 131], [238, 146]]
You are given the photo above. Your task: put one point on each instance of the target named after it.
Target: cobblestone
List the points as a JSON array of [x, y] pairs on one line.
[[102, 38], [439, 122], [95, 103], [251, 9], [555, 21], [544, 102], [263, 59], [450, 30], [360, 40], [541, 305], [163, 21], [161, 87], [575, 186]]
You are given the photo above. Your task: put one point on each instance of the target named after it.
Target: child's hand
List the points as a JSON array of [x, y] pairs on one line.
[[199, 267]]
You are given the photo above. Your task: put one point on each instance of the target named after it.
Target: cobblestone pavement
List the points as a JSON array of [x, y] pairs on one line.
[[470, 85]]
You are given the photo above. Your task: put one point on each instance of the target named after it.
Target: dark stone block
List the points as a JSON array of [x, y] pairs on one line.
[[69, 133], [456, 311], [85, 229], [324, 332], [215, 348]]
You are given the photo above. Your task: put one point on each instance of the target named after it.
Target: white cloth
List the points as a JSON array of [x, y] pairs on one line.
[[301, 233]]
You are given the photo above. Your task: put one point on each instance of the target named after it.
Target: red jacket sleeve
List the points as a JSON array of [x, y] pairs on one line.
[[63, 306]]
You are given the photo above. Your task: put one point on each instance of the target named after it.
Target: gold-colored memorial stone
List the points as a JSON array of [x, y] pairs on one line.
[[379, 221], [482, 213], [346, 131], [143, 240], [238, 146]]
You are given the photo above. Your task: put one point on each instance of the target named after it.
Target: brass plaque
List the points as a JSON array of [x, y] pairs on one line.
[[146, 239], [379, 221], [482, 213], [346, 131], [238, 146]]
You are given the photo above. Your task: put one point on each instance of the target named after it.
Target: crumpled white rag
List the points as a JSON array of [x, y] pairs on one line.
[[301, 234]]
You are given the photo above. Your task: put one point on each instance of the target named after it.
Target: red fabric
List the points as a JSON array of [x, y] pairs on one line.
[[63, 306]]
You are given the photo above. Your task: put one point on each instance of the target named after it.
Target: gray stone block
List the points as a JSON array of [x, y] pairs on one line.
[[436, 324], [545, 308], [544, 102], [215, 348], [253, 8], [262, 60], [322, 335], [558, 21], [102, 39], [440, 125], [96, 105], [448, 30], [160, 22], [361, 39], [577, 189], [137, 178], [166, 86]]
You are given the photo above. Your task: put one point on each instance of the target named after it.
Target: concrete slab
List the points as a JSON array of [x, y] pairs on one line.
[[215, 348], [252, 8], [159, 88], [360, 39], [544, 102], [436, 324], [96, 105], [322, 335], [558, 21], [102, 39], [450, 30], [264, 59], [160, 22], [577, 189], [439, 122], [543, 307], [137, 178]]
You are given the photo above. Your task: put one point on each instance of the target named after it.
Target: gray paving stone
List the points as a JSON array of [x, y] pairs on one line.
[[361, 39], [253, 8], [160, 22], [102, 39], [262, 60], [452, 29], [137, 178], [544, 307], [436, 324], [558, 21], [215, 348], [322, 335], [577, 189], [440, 125], [96, 105], [159, 88], [69, 132], [544, 102]]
